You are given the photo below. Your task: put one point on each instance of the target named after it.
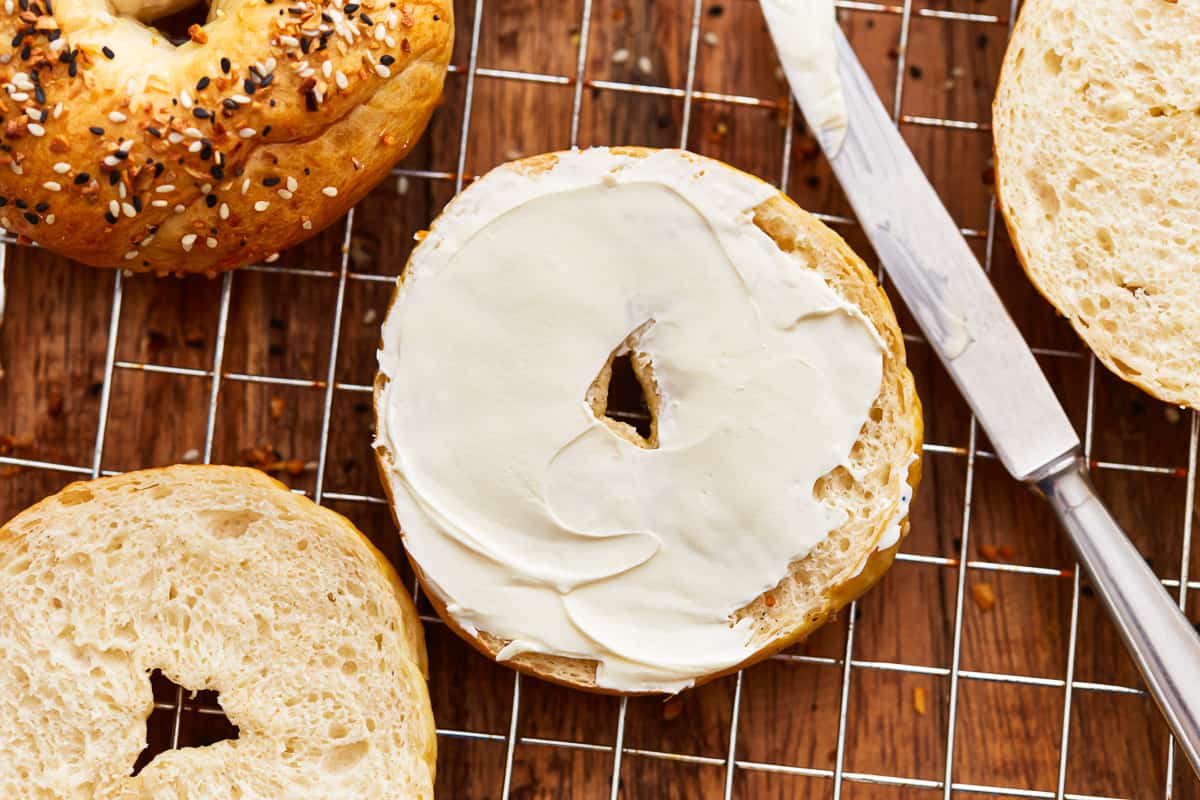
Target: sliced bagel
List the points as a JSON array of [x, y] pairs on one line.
[[224, 580], [1097, 175], [868, 492]]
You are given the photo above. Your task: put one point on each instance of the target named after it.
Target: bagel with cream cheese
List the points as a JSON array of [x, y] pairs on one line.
[[773, 485], [224, 580], [121, 149]]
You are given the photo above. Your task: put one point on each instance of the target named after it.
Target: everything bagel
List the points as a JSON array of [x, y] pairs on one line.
[[121, 149]]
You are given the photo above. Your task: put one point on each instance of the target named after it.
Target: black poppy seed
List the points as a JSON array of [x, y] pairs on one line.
[[97, 130], [205, 152], [20, 37], [45, 114], [310, 101], [226, 65], [110, 218], [25, 52], [121, 155], [436, 17], [149, 160], [64, 57], [324, 42], [200, 113], [230, 104], [3, 201], [32, 218], [305, 44], [137, 203], [387, 60], [218, 173], [159, 169], [273, 180], [202, 84], [326, 18], [42, 207], [114, 178], [82, 178], [365, 19], [155, 132], [49, 7], [271, 102], [248, 86], [108, 52], [24, 4], [351, 8], [265, 82], [21, 204], [266, 131], [153, 229], [307, 171], [210, 200], [73, 69], [53, 35], [39, 94]]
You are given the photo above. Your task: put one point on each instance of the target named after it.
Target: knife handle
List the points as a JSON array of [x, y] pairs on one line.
[[1162, 642]]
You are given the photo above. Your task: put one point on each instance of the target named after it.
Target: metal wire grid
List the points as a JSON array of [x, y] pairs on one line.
[[342, 274]]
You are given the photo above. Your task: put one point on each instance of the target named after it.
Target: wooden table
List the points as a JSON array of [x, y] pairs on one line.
[[998, 684]]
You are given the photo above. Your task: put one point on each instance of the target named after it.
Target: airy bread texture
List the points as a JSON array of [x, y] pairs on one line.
[[887, 455], [1096, 173], [224, 580], [123, 150]]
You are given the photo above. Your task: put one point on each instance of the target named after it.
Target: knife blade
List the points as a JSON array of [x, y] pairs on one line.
[[930, 264]]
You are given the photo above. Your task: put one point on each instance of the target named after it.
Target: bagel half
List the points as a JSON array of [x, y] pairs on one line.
[[224, 580], [122, 150], [1097, 175], [886, 456]]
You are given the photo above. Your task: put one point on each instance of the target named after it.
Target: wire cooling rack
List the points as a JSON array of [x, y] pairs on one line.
[[613, 764]]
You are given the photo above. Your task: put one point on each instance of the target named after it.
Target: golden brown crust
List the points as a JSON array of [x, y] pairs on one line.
[[792, 229], [305, 163]]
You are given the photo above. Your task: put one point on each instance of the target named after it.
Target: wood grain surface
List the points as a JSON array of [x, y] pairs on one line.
[[1007, 733]]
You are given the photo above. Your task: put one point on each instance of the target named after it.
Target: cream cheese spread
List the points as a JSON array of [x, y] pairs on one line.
[[533, 520], [803, 34]]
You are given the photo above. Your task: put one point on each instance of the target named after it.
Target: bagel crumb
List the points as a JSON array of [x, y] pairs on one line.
[[197, 34], [919, 699], [984, 596]]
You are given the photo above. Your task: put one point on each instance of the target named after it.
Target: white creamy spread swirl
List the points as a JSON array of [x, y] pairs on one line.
[[533, 520], [804, 39]]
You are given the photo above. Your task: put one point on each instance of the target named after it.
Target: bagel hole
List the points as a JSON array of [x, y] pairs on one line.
[[626, 397], [202, 721], [174, 27]]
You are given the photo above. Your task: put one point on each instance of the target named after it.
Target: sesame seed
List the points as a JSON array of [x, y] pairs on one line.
[[53, 186], [111, 161], [114, 208], [240, 98], [245, 185], [330, 191], [146, 241], [271, 258], [179, 208], [195, 147], [159, 203], [35, 129], [211, 242], [223, 211], [247, 133], [307, 225], [50, 219], [120, 186], [117, 116], [165, 188], [342, 81], [129, 210], [58, 109], [285, 194], [185, 99], [261, 205], [131, 254], [174, 137], [292, 184], [62, 168], [195, 133], [327, 69], [188, 240], [382, 71]]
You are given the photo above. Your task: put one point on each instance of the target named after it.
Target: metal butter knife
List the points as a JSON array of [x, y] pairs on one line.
[[942, 282]]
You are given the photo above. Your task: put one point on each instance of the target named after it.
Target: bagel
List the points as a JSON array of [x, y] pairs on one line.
[[1096, 175], [224, 580], [773, 484], [121, 149]]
